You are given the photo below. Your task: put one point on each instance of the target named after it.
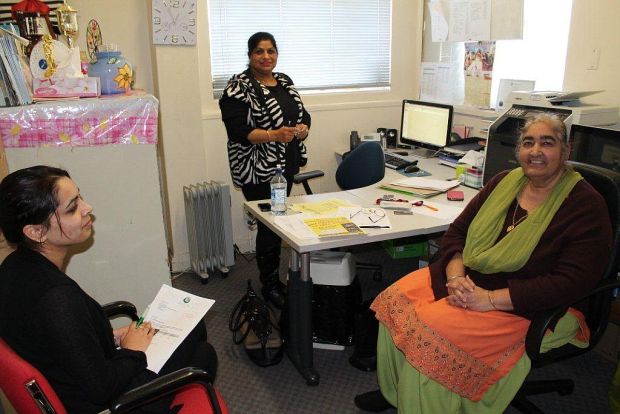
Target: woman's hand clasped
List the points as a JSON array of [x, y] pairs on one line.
[[138, 338], [288, 133], [301, 131], [284, 134], [464, 293]]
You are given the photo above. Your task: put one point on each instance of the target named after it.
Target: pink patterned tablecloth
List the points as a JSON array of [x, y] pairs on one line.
[[125, 119]]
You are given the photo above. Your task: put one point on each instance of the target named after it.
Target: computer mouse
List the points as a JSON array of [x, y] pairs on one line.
[[412, 169]]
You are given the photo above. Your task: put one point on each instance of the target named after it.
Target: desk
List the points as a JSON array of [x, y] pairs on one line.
[[299, 348]]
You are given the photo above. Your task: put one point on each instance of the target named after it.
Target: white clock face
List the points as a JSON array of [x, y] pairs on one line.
[[174, 22]]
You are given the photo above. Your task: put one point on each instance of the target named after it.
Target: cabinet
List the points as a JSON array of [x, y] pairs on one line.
[[109, 146]]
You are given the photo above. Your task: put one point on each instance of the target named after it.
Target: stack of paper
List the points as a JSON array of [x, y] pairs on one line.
[[420, 186], [14, 88]]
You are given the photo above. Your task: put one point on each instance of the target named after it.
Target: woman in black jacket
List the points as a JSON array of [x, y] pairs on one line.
[[266, 124], [50, 321]]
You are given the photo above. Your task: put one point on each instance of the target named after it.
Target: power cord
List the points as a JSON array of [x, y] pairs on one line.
[[245, 255]]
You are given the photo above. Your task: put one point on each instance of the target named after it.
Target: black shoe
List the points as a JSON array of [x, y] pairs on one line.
[[366, 364], [372, 402], [275, 293]]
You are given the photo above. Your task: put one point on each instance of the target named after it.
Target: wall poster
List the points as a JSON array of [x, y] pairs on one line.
[[478, 67]]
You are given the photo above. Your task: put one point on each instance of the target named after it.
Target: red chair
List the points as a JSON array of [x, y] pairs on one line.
[[30, 393]]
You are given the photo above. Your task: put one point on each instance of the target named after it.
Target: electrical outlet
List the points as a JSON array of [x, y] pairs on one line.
[[593, 58]]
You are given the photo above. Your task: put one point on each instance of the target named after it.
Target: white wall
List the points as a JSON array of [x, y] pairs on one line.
[[595, 25], [126, 24], [193, 140]]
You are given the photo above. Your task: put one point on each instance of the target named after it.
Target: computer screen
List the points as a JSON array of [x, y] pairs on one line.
[[595, 146], [425, 124]]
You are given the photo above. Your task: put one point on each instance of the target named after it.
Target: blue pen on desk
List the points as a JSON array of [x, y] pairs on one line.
[[141, 318]]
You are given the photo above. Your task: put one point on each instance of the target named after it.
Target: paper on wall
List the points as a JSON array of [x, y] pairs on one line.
[[439, 21], [438, 81], [469, 20]]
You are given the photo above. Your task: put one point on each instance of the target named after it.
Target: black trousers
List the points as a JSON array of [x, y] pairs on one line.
[[194, 351], [268, 243]]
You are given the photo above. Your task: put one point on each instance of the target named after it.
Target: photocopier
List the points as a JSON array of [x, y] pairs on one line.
[[504, 132]]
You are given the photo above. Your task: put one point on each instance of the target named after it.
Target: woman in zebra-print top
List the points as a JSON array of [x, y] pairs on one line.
[[266, 124]]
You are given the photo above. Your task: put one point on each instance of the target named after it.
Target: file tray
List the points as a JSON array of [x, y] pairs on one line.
[[406, 247]]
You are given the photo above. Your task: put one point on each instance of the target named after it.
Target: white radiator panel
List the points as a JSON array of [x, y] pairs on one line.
[[209, 227]]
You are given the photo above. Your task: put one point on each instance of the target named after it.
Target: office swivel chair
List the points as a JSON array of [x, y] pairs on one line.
[[29, 392], [361, 167], [598, 301]]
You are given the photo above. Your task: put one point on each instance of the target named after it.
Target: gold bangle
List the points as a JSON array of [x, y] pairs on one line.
[[491, 299], [453, 277]]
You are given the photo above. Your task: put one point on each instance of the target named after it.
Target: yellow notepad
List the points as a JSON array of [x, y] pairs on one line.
[[332, 226]]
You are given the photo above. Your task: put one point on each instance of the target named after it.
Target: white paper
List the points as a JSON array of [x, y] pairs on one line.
[[508, 85], [366, 217], [470, 20], [295, 225], [443, 211], [426, 183], [175, 313], [439, 21], [438, 82], [473, 158]]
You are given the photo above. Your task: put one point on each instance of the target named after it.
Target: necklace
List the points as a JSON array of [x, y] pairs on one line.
[[515, 223]]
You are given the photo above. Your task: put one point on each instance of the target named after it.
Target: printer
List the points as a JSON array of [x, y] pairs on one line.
[[583, 114], [504, 131]]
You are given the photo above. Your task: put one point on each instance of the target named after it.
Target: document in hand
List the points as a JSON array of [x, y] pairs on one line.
[[175, 313], [426, 183]]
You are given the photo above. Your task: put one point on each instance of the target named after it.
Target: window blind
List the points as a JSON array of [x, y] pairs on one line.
[[322, 44]]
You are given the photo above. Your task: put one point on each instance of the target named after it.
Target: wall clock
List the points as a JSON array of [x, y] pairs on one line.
[[174, 22]]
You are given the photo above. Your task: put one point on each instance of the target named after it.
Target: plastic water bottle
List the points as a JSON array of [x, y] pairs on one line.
[[278, 193]]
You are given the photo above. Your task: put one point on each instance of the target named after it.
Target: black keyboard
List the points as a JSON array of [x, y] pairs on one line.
[[394, 162]]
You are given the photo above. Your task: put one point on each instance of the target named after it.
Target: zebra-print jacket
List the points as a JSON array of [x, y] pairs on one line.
[[256, 163]]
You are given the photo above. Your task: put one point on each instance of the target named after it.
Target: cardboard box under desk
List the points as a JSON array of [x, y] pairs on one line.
[[406, 247]]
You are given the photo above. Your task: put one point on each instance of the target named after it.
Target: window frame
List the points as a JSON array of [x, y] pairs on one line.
[[378, 80]]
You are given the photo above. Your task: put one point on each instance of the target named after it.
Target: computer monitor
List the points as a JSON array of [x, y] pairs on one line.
[[425, 126], [595, 146]]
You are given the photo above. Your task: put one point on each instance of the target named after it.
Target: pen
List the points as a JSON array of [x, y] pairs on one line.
[[141, 318], [374, 227], [430, 207]]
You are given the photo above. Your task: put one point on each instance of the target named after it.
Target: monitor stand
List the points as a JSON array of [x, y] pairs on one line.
[[422, 152]]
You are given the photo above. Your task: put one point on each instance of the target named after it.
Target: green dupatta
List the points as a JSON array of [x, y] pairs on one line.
[[482, 253]]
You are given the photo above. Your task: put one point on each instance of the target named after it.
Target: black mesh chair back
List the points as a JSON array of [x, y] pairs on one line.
[[595, 304], [363, 166]]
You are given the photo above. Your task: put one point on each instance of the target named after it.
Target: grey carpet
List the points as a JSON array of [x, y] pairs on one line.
[[248, 388]]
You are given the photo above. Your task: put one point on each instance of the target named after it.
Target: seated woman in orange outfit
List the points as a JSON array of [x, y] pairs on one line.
[[451, 337]]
